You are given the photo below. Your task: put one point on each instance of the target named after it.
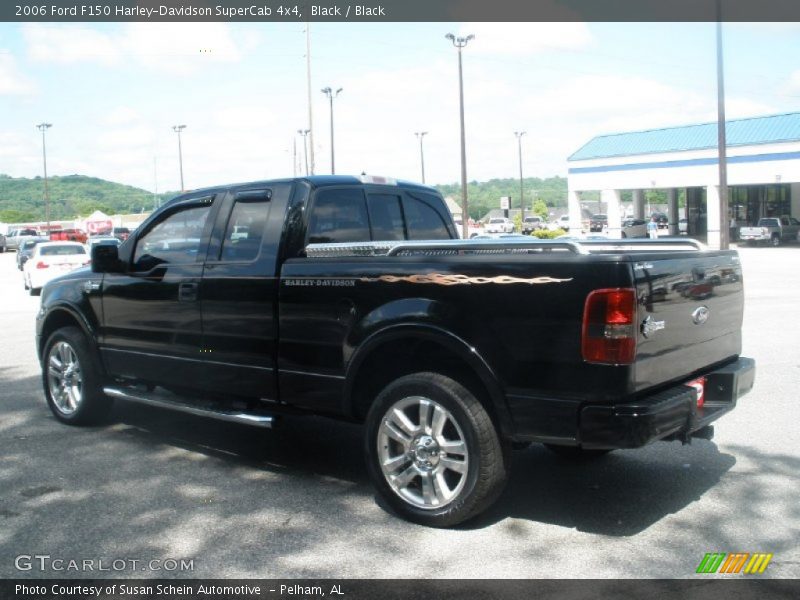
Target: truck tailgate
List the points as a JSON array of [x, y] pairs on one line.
[[690, 315]]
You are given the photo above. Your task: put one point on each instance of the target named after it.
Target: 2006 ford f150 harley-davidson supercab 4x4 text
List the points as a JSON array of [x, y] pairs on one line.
[[354, 298]]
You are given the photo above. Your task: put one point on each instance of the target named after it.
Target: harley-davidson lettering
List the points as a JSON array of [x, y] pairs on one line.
[[440, 279], [315, 282]]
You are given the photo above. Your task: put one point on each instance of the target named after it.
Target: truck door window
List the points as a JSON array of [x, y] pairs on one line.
[[386, 217], [175, 240], [245, 228], [423, 221], [338, 215]]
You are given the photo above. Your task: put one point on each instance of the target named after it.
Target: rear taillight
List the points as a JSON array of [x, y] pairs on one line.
[[609, 333], [699, 385], [41, 265]]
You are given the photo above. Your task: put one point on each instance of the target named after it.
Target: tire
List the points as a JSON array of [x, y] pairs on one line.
[[624, 235], [73, 379], [415, 483], [575, 452], [34, 291], [775, 241]]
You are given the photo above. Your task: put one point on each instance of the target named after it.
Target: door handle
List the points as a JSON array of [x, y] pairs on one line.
[[187, 292]]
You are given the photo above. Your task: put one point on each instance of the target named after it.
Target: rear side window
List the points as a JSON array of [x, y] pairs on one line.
[[338, 215], [422, 220], [245, 229], [386, 217]]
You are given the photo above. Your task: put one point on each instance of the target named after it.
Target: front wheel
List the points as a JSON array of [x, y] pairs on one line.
[[73, 379], [433, 452], [775, 241]]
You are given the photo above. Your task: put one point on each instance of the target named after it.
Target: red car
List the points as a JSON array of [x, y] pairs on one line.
[[68, 235]]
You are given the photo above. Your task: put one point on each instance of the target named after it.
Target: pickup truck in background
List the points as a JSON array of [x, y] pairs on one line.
[[16, 237], [771, 230], [355, 299]]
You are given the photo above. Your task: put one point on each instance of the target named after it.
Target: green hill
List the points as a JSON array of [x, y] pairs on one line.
[[74, 196], [71, 196]]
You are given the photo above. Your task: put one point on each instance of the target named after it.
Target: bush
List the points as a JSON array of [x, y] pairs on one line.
[[546, 234]]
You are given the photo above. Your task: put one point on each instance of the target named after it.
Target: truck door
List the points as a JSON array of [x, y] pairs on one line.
[[239, 292], [151, 313]]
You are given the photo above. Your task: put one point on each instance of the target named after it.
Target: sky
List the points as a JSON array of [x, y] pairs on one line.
[[114, 91]]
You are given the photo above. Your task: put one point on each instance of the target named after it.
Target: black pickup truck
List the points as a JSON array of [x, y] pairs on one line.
[[354, 298]]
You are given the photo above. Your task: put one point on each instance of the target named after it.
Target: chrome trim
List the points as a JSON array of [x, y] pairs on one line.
[[153, 399]]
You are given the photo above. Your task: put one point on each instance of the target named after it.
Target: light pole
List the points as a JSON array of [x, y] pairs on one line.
[[331, 95], [420, 135], [310, 104], [518, 135], [177, 129], [459, 43], [724, 223], [44, 127], [304, 133]]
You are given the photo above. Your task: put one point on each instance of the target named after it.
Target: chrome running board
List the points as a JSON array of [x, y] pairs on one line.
[[160, 400]]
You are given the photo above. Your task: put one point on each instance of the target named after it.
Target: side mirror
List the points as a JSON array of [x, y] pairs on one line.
[[105, 258]]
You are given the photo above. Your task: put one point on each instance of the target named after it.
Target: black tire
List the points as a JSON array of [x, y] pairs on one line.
[[576, 452], [624, 235], [34, 291], [775, 241], [93, 405], [467, 423]]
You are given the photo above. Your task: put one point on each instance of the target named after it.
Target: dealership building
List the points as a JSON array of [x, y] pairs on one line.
[[763, 173]]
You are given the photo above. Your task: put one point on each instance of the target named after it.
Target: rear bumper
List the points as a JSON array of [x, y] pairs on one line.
[[670, 414]]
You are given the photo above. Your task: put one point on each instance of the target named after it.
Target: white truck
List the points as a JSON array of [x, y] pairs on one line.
[[771, 230]]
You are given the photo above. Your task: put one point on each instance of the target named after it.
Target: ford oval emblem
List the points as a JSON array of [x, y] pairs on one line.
[[700, 315]]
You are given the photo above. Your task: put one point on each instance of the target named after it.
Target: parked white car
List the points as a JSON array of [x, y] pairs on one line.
[[499, 225], [634, 228], [51, 259]]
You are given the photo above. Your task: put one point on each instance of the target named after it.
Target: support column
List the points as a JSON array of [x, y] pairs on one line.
[[712, 216], [638, 204], [672, 211], [794, 191], [612, 198], [574, 211]]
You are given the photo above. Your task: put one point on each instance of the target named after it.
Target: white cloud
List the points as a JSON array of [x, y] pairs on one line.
[[794, 82], [177, 48], [65, 45], [523, 39], [12, 82]]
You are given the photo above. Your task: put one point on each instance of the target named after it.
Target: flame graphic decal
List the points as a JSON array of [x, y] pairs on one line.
[[440, 279]]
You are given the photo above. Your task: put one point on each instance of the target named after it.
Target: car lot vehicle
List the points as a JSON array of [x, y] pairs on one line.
[[773, 231], [499, 225], [49, 260], [354, 298], [532, 223], [475, 229], [26, 249], [563, 222], [69, 235], [121, 233], [683, 226], [2, 242], [598, 223], [102, 239], [662, 220], [15, 237], [634, 228]]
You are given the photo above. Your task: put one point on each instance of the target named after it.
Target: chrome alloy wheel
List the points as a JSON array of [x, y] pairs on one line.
[[423, 452], [64, 377]]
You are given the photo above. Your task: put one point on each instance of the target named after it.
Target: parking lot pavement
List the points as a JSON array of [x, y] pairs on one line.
[[295, 502]]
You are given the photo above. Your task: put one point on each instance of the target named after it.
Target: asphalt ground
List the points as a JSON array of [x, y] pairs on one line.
[[296, 501]]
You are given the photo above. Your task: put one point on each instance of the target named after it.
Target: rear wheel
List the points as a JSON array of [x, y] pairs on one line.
[[576, 452], [775, 241], [433, 452], [73, 379]]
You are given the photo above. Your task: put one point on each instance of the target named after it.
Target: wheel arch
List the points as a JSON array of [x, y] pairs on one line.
[[63, 316], [413, 347]]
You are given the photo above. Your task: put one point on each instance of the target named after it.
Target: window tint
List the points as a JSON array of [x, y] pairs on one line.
[[386, 217], [61, 250], [175, 240], [338, 215], [422, 220], [245, 228]]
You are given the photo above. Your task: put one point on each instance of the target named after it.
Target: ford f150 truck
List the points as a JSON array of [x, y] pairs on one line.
[[354, 298], [771, 230]]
